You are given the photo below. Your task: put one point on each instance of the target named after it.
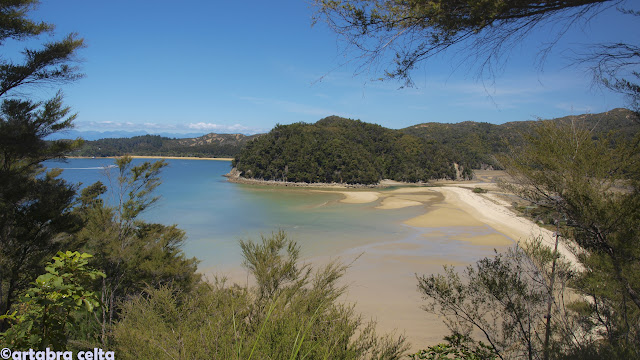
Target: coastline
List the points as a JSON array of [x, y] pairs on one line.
[[153, 157], [381, 279], [496, 213], [243, 180], [235, 177]]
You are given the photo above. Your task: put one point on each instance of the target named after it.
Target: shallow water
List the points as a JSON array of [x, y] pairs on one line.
[[216, 214]]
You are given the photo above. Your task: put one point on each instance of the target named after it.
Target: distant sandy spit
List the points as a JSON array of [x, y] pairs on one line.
[[153, 157]]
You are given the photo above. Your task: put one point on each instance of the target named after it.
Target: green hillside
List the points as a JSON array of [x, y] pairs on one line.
[[476, 144], [341, 150]]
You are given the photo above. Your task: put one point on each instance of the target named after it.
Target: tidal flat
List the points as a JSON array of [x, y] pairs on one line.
[[387, 235]]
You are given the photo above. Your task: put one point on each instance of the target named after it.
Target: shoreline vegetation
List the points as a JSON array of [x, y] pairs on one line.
[[234, 177]]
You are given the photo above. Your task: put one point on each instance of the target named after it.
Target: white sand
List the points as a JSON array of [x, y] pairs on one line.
[[499, 217]]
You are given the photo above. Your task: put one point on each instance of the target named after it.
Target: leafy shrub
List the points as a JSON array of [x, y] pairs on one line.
[[292, 312]]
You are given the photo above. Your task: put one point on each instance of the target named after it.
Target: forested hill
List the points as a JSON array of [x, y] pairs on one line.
[[211, 145], [348, 151], [340, 150], [476, 144]]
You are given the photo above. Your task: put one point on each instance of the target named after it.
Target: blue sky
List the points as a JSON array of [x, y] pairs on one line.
[[227, 66]]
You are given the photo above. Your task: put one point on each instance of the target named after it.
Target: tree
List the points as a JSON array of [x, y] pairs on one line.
[[593, 184], [458, 346], [35, 208], [48, 65], [417, 30], [133, 254], [505, 299]]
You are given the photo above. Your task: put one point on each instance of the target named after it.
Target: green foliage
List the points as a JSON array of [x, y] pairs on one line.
[[479, 144], [47, 309], [34, 206], [135, 187], [458, 347], [14, 23], [270, 269], [340, 150], [592, 182], [402, 34], [353, 152], [47, 65], [133, 254], [506, 298], [293, 315]]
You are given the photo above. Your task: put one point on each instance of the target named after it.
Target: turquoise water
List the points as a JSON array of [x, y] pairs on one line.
[[215, 213]]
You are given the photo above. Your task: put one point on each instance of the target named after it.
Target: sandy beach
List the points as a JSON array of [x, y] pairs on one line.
[[382, 281]]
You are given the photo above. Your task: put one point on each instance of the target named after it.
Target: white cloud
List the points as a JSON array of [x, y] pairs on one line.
[[109, 125], [152, 127]]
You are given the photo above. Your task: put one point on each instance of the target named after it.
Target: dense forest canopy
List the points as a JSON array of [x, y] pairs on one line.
[[341, 150]]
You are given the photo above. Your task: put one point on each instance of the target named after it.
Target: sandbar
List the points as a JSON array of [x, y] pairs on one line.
[[390, 203], [495, 214], [391, 200], [382, 282], [354, 197], [495, 239], [444, 217]]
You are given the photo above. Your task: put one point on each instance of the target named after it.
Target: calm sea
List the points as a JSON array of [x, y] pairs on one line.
[[215, 213]]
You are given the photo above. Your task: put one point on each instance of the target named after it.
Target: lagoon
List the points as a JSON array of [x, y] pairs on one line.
[[216, 213], [391, 244]]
